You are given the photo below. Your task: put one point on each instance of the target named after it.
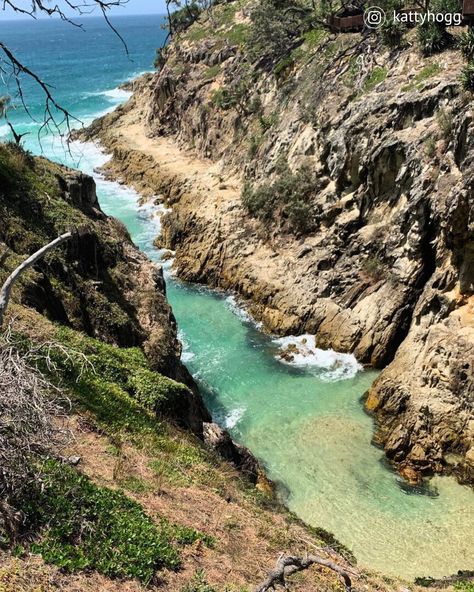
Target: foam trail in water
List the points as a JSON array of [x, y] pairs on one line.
[[302, 352], [231, 302], [186, 355], [114, 94]]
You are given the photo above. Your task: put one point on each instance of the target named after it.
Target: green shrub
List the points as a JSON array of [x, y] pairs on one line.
[[275, 28], [120, 369], [83, 526], [283, 64], [198, 583], [254, 144], [375, 268], [183, 18], [287, 201], [392, 33], [433, 38], [266, 122], [464, 586], [467, 76], [235, 96], [466, 44], [184, 535]]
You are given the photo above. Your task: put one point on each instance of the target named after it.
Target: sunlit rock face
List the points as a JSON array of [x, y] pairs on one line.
[[384, 270]]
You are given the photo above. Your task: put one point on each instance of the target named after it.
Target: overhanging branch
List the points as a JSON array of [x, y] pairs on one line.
[[5, 292]]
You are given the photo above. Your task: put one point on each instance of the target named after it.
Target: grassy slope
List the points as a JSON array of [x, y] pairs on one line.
[[207, 518]]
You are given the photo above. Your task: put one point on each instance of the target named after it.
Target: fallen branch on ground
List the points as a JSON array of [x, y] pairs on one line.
[[289, 564]]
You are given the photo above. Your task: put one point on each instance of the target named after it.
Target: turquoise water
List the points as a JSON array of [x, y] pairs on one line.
[[309, 429]]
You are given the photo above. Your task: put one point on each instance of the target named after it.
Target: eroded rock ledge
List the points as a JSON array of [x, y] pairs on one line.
[[389, 272]]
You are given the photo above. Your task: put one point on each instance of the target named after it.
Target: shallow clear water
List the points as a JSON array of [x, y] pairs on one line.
[[311, 432]]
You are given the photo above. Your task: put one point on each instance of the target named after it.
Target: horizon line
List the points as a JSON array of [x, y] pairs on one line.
[[81, 17]]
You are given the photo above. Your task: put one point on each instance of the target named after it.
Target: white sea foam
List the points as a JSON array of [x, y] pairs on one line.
[[113, 94], [231, 420], [4, 130], [238, 310], [187, 355], [302, 352], [117, 94]]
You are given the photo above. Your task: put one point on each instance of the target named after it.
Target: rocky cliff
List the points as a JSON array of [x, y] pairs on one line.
[[99, 283], [333, 190]]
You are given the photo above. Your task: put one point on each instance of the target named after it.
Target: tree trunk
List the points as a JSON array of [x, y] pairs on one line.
[[8, 285]]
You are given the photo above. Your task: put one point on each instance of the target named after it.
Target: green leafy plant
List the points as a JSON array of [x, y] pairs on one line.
[[392, 33], [287, 201], [467, 76], [433, 38], [83, 526], [184, 535], [182, 18], [198, 583], [276, 27], [123, 368], [464, 586], [254, 144], [466, 44], [375, 268]]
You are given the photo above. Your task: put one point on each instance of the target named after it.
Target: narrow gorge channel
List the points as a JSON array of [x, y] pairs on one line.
[[307, 425]]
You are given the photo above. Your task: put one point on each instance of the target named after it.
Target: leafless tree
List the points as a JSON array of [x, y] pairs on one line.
[[13, 69], [29, 413], [33, 414]]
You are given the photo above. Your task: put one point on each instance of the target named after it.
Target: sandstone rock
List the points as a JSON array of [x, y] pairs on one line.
[[389, 272], [411, 475]]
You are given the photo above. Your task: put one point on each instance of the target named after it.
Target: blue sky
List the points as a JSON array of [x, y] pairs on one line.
[[132, 7]]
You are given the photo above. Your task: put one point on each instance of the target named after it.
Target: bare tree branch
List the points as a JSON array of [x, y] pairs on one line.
[[5, 292], [290, 564], [55, 115], [32, 421]]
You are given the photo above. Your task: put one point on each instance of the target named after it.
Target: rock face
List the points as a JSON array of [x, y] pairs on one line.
[[387, 271], [220, 441], [100, 283]]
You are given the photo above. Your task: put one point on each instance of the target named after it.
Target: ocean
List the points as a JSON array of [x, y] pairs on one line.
[[84, 68]]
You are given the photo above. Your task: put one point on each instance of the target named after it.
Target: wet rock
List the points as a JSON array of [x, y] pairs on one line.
[[220, 441]]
